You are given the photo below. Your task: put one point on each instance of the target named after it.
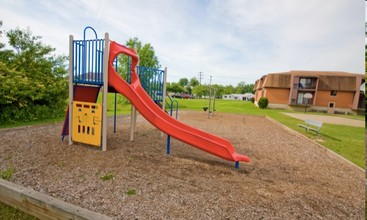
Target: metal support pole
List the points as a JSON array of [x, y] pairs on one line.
[[71, 88], [210, 95], [132, 122], [164, 93], [164, 88], [210, 99], [168, 145], [106, 53], [114, 114], [215, 93], [135, 117], [237, 165]]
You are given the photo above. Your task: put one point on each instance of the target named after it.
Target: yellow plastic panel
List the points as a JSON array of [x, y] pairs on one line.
[[87, 123]]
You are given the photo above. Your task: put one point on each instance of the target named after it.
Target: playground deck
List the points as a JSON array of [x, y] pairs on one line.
[[288, 177]]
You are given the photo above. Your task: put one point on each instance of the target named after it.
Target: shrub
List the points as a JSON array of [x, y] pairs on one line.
[[33, 83], [252, 100], [263, 102]]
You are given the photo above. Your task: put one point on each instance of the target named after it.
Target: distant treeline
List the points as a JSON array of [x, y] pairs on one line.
[[193, 87]]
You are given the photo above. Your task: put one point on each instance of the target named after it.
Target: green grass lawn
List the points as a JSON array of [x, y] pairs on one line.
[[10, 213], [346, 141]]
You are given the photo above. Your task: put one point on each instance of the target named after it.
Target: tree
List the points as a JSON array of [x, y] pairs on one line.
[[219, 90], [146, 53], [32, 80], [174, 87], [147, 57], [1, 32], [194, 82], [243, 88], [229, 89], [200, 90], [183, 82]]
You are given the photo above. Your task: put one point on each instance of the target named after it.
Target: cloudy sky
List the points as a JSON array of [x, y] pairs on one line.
[[230, 40]]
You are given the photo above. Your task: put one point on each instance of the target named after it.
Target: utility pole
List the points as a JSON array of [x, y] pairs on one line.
[[201, 76]]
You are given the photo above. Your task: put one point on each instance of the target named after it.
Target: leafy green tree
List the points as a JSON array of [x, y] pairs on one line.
[[228, 90], [147, 57], [1, 32], [174, 87], [219, 90], [32, 80], [200, 90], [183, 82], [243, 88], [194, 82], [191, 84]]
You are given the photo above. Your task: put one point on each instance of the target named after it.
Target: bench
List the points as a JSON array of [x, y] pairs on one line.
[[312, 125]]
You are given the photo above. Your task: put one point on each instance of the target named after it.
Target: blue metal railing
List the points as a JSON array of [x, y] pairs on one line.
[[151, 80], [168, 145], [88, 60], [171, 105]]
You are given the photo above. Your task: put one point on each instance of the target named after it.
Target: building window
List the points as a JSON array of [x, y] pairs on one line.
[[331, 104], [332, 93], [300, 98], [305, 83]]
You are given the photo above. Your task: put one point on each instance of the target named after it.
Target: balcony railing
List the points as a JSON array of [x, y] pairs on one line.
[[304, 87]]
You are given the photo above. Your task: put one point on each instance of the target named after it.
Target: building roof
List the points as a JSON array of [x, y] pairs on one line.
[[328, 80], [319, 73]]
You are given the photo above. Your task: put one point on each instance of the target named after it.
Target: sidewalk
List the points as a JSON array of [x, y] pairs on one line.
[[329, 119]]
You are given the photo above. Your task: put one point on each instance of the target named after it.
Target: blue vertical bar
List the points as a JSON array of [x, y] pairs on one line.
[[73, 59], [237, 165], [168, 144], [81, 61], [89, 75], [100, 61], [83, 58], [114, 115], [92, 62]]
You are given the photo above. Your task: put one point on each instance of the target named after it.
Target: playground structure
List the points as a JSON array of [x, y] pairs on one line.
[[93, 67], [86, 60]]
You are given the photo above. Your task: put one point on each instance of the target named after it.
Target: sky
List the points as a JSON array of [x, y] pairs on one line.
[[230, 40]]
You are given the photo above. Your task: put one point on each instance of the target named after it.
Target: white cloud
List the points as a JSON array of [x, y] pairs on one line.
[[233, 40]]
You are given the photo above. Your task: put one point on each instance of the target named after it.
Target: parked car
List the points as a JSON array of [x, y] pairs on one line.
[[182, 96], [186, 96], [176, 96]]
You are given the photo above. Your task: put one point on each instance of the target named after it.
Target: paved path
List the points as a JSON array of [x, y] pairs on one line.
[[328, 119]]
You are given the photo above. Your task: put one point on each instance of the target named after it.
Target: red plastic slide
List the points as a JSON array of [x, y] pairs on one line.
[[145, 105]]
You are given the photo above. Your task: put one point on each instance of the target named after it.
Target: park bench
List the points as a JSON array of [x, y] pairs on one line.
[[312, 125]]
